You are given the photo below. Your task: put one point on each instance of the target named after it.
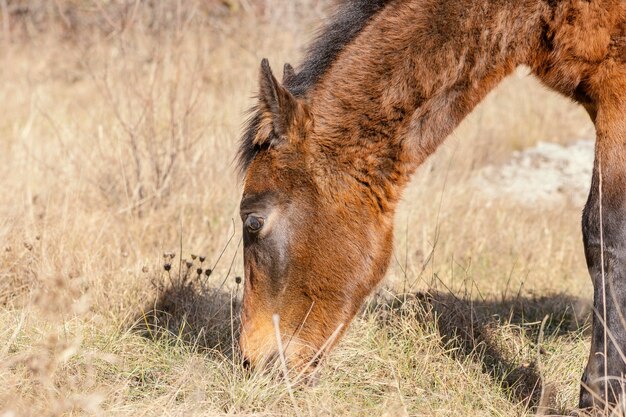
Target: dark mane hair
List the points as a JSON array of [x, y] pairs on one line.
[[346, 23]]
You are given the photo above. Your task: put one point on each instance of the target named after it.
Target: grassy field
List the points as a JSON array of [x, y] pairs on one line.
[[117, 138]]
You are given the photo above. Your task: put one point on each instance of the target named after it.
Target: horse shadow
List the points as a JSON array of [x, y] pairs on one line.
[[468, 328], [187, 310]]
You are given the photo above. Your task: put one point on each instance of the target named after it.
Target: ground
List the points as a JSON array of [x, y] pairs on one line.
[[117, 138]]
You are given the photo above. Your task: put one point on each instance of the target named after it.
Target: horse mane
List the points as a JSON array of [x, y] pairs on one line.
[[348, 20]]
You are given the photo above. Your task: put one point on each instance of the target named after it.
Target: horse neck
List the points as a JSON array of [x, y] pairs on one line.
[[409, 78]]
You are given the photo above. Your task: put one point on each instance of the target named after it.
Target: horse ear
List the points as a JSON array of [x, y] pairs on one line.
[[276, 102], [288, 73]]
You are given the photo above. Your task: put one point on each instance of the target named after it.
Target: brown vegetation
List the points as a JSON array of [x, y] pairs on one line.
[[94, 325]]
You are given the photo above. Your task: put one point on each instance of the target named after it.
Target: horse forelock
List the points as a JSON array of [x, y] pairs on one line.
[[349, 19], [247, 148]]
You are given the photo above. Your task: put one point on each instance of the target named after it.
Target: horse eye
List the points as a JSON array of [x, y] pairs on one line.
[[253, 223]]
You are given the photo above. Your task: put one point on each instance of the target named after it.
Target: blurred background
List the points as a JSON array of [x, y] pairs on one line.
[[119, 123]]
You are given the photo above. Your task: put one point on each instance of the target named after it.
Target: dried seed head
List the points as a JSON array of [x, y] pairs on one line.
[[208, 272], [38, 237], [145, 269], [238, 280], [167, 266], [193, 257], [189, 264], [199, 271], [172, 255], [202, 258], [28, 246], [8, 248]]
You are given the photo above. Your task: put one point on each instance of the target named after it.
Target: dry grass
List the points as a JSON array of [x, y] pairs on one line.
[[117, 146]]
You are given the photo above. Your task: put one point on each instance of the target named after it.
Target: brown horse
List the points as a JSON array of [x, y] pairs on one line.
[[327, 153]]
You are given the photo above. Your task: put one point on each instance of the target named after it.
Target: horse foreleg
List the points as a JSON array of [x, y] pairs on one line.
[[604, 235]]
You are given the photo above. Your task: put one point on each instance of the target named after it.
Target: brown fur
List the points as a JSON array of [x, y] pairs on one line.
[[335, 157]]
